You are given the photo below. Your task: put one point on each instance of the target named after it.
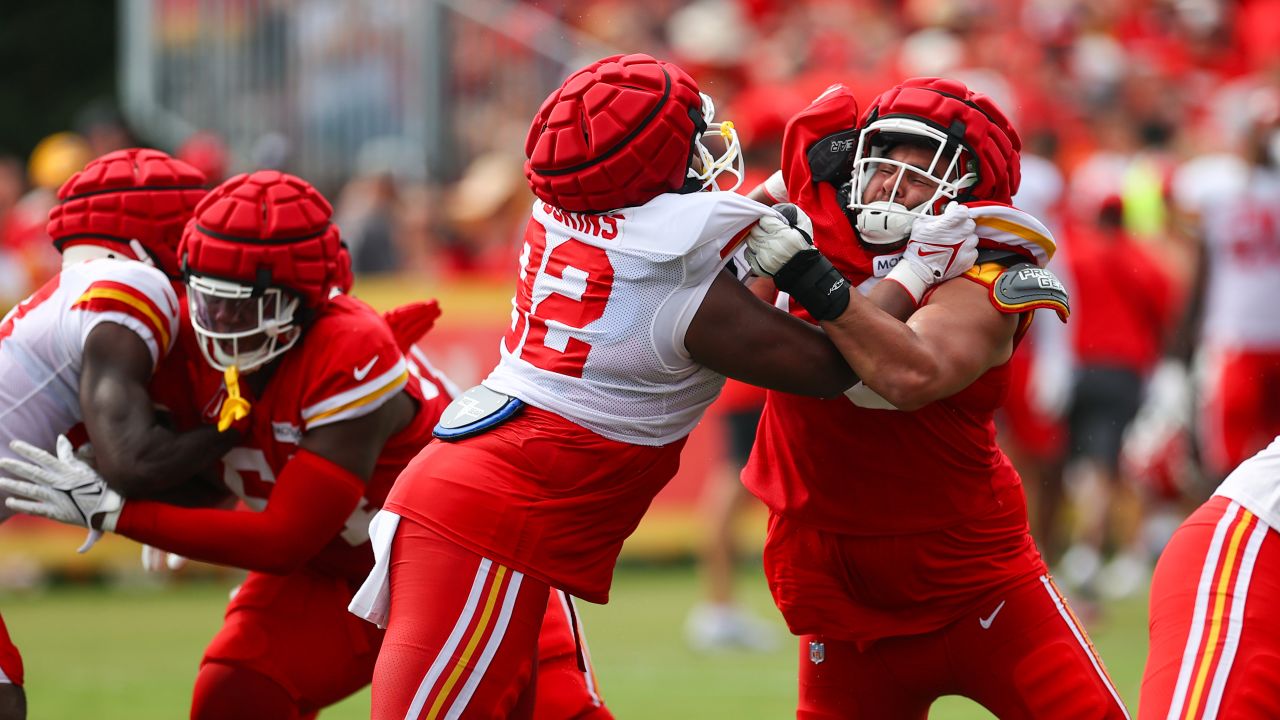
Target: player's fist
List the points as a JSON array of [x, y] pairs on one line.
[[940, 248], [775, 239]]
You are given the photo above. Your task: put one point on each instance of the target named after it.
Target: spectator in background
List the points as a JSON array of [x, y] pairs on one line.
[[1124, 301], [53, 161], [205, 151], [100, 124], [487, 210], [370, 202], [13, 272], [418, 234]]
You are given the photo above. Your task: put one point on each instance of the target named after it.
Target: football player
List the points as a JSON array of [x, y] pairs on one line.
[[330, 411], [76, 357], [1230, 203], [898, 547], [624, 324]]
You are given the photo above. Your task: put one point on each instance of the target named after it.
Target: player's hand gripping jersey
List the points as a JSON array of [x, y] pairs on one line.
[[596, 349], [42, 341], [934, 466]]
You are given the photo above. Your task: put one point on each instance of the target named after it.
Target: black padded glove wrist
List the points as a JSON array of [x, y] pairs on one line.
[[814, 282]]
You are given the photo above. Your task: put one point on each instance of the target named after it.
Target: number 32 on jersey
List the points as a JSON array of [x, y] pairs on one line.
[[563, 288]]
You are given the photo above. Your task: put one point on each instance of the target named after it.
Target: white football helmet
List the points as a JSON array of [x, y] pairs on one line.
[[704, 173], [975, 155], [239, 325]]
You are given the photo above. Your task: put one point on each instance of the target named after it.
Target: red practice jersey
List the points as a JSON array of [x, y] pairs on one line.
[[347, 365], [869, 470]]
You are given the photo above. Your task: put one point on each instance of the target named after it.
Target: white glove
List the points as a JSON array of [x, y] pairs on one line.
[[154, 559], [773, 240], [62, 488], [940, 248]]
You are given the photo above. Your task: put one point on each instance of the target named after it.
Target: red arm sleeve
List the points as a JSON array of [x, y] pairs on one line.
[[312, 499]]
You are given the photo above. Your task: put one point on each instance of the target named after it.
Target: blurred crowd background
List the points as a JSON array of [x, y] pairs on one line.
[[411, 116]]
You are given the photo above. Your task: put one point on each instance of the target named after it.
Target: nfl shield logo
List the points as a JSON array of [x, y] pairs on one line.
[[817, 652]]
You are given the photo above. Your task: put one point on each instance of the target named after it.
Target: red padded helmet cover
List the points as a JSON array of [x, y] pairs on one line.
[[988, 135], [135, 194], [617, 133], [268, 227]]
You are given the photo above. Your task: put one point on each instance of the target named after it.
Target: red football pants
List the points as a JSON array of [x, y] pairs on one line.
[[468, 637], [288, 644], [1026, 656], [10, 658], [1212, 654]]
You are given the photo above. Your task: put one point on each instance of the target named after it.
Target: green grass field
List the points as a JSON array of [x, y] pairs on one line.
[[131, 653]]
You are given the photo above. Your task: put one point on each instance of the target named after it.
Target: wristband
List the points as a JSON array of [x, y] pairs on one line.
[[815, 283], [910, 280]]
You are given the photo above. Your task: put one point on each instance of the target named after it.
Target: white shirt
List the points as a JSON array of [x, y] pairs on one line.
[[1239, 209], [42, 342], [598, 323], [1255, 484]]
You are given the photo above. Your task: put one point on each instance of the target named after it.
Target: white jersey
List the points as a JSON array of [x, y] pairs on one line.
[[1255, 484], [42, 342], [1239, 209], [599, 317]]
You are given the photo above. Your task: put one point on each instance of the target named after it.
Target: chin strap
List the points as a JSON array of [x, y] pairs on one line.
[[235, 407]]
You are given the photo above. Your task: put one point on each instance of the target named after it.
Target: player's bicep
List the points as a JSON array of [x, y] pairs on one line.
[[116, 367], [965, 332], [737, 335], [355, 444]]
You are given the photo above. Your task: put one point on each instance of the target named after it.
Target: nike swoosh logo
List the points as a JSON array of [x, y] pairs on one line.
[[360, 373], [930, 253], [986, 621]]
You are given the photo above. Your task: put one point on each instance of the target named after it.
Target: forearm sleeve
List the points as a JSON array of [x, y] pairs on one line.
[[311, 501]]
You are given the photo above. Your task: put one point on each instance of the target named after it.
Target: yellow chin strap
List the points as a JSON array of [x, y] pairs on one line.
[[235, 407]]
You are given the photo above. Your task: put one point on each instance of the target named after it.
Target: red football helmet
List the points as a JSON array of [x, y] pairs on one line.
[[622, 131], [975, 155], [129, 204], [260, 256]]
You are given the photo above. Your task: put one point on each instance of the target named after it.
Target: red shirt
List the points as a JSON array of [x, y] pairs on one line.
[[346, 365], [1122, 300], [539, 494], [865, 471]]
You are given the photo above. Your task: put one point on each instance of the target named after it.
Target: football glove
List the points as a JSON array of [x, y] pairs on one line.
[[785, 252], [62, 488], [941, 247], [774, 240]]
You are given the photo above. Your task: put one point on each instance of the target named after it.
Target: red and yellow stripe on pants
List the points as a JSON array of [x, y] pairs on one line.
[[462, 635], [1215, 619]]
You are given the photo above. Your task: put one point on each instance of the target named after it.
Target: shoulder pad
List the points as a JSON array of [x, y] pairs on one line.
[[1026, 287], [829, 159]]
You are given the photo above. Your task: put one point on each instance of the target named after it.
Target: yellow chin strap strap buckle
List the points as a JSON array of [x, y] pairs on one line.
[[235, 407]]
